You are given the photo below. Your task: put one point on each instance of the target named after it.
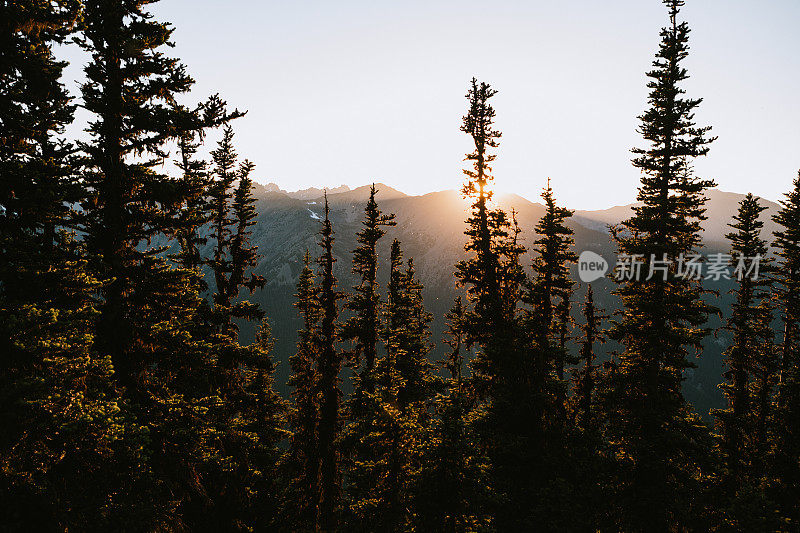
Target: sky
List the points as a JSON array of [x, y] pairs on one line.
[[352, 92]]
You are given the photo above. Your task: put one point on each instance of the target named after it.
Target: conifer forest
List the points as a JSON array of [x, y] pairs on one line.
[[155, 376]]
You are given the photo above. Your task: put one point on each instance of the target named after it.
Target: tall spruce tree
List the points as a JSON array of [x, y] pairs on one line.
[[786, 461], [551, 289], [364, 328], [492, 249], [735, 421], [303, 456], [586, 376], [195, 190], [65, 436], [70, 451], [542, 474], [130, 89], [381, 485], [193, 215], [509, 416], [407, 333], [765, 374], [149, 308], [232, 215], [37, 186], [251, 412], [750, 369], [480, 272], [329, 365], [452, 493], [655, 436]]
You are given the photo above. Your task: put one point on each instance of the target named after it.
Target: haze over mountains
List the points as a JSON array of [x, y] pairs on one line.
[[431, 230]]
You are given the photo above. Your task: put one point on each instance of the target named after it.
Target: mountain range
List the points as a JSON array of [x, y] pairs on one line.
[[430, 228]]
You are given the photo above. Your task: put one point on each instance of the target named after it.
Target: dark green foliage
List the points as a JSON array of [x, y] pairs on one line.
[[551, 290], [452, 494], [514, 412], [128, 202], [232, 215], [745, 354], [406, 333], [71, 453], [65, 433], [586, 376], [329, 364], [490, 246], [655, 436], [207, 401], [787, 410], [193, 215], [749, 379], [148, 307], [303, 456], [492, 268], [364, 327], [397, 414], [38, 180]]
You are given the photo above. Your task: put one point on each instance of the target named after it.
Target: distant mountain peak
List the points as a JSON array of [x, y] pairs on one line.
[[361, 194], [312, 193], [261, 188]]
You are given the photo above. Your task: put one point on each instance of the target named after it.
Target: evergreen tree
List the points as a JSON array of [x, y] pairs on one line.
[[493, 251], [38, 184], [586, 376], [193, 216], [509, 417], [407, 333], [329, 364], [130, 88], [750, 369], [787, 410], [765, 374], [451, 493], [548, 473], [735, 421], [149, 308], [195, 188], [70, 453], [551, 289], [249, 412], [587, 465], [66, 443], [381, 483], [653, 432], [232, 215], [304, 466], [486, 228], [364, 327]]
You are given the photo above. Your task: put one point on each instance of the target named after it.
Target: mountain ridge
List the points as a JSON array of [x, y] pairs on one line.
[[431, 228]]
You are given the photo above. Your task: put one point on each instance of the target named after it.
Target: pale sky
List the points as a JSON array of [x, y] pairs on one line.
[[360, 91]]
